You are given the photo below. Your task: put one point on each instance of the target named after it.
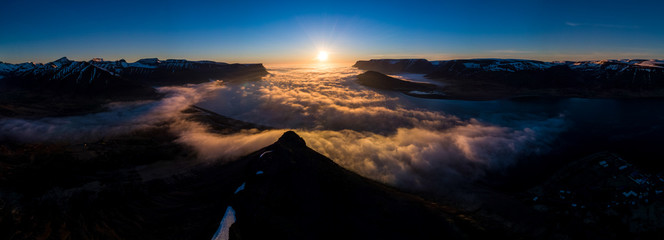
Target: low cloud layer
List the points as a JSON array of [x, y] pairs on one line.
[[121, 118], [381, 135], [389, 137], [427, 159]]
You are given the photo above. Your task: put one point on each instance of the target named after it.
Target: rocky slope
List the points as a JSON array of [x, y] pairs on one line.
[[292, 192], [605, 192]]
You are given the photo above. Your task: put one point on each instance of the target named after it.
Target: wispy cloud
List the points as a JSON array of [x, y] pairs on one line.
[[600, 25], [572, 24]]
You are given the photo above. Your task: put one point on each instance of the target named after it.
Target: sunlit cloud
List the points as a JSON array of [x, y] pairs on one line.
[[376, 134]]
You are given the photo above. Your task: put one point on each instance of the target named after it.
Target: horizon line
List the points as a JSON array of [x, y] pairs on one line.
[[286, 62]]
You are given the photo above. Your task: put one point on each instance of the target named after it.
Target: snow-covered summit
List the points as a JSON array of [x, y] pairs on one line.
[[153, 70]]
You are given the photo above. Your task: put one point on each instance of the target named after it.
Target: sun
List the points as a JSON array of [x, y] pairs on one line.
[[322, 56]]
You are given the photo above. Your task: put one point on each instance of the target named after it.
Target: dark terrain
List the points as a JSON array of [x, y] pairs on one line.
[[381, 81], [145, 185]]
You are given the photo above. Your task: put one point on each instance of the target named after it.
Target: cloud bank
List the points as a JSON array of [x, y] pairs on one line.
[[121, 118], [378, 134], [385, 136]]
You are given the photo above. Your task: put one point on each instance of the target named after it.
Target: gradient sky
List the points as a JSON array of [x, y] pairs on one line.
[[277, 32]]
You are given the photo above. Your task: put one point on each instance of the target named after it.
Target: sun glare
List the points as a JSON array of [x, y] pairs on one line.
[[322, 56]]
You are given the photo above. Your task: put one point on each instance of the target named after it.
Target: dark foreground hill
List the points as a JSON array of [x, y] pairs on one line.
[[144, 186], [292, 192]]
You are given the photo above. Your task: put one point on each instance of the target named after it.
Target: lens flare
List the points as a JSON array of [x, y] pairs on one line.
[[322, 56]]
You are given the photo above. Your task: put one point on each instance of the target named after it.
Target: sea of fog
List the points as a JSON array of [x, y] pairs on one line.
[[387, 136]]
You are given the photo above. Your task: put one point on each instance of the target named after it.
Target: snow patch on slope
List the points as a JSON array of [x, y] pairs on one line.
[[223, 232]]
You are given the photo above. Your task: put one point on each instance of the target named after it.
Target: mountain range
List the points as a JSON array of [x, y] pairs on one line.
[[119, 78], [495, 78], [65, 87]]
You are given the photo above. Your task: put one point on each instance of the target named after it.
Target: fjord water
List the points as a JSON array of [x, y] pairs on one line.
[[422, 138]]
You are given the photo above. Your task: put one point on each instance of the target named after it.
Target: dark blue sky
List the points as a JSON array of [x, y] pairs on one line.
[[275, 32]]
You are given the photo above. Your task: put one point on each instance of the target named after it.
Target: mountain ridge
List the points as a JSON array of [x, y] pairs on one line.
[[64, 87], [150, 71], [295, 192], [500, 78]]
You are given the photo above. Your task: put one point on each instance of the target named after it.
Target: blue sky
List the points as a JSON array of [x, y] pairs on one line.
[[276, 32]]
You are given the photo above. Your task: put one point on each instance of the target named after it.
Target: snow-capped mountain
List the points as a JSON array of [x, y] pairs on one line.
[[626, 73], [119, 77], [513, 65], [171, 71], [606, 74], [64, 76]]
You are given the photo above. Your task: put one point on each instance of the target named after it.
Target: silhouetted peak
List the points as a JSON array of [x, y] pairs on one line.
[[291, 139], [60, 62], [63, 59]]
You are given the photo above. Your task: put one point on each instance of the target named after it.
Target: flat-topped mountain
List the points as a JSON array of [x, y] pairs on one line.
[[180, 71], [433, 68], [514, 77], [607, 74], [396, 65]]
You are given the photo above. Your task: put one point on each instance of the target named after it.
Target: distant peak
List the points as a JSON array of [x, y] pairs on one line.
[[63, 60], [148, 61], [291, 139]]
